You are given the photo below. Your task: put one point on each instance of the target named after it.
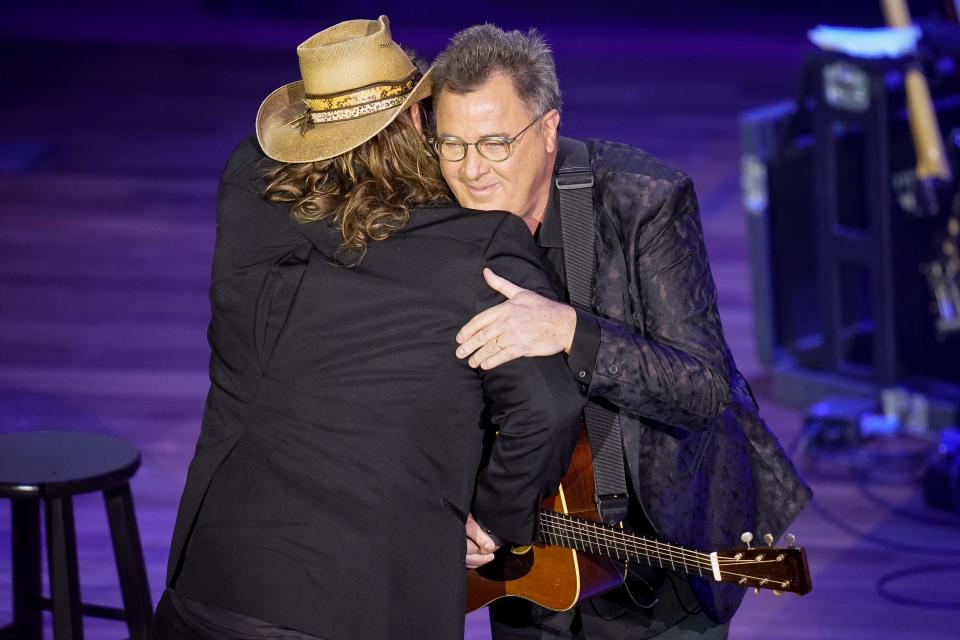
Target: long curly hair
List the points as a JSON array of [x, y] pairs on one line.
[[368, 191]]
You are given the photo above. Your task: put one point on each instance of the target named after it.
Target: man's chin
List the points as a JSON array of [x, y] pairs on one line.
[[480, 205]]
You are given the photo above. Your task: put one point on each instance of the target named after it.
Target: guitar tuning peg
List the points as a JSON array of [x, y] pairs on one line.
[[756, 589], [790, 539], [768, 538], [777, 593], [746, 537]]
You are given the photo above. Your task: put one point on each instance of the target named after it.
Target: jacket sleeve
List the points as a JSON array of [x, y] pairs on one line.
[[674, 370], [250, 230], [533, 402]]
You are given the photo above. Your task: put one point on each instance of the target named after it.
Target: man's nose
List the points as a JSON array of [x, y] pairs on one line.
[[473, 166]]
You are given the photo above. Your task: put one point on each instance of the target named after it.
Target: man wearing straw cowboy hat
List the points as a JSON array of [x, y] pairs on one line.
[[341, 438], [681, 450]]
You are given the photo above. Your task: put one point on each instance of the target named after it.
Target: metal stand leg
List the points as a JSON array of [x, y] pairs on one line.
[[25, 548], [130, 564], [64, 577]]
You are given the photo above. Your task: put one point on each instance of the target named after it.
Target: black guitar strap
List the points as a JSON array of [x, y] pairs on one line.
[[574, 179]]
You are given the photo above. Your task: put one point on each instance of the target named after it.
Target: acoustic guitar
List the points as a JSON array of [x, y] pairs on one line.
[[576, 556]]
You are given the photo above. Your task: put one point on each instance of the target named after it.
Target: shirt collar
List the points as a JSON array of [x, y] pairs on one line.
[[550, 232]]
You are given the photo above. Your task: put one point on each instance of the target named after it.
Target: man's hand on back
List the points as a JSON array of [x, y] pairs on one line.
[[527, 324]]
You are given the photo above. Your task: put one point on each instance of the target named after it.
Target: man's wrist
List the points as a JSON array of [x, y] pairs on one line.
[[570, 328], [582, 358]]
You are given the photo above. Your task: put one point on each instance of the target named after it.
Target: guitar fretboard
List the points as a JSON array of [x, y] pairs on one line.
[[604, 540]]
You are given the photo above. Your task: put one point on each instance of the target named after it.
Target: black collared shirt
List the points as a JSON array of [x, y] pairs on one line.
[[586, 338]]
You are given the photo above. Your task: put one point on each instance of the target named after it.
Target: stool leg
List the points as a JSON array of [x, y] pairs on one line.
[[130, 565], [25, 547], [64, 575]]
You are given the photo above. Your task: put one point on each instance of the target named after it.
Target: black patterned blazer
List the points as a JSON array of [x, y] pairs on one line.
[[702, 462]]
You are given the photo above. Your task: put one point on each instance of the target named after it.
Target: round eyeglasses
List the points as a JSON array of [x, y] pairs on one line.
[[493, 148]]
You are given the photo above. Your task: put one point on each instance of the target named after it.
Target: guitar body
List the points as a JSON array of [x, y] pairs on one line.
[[550, 576], [578, 556]]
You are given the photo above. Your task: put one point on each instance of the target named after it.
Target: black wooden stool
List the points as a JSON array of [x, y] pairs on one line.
[[52, 467]]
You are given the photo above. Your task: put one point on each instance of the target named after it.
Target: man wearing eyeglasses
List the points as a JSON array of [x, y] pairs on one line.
[[701, 466]]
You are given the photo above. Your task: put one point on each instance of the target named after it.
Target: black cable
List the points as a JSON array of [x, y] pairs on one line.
[[865, 460], [865, 475], [913, 515], [687, 613], [885, 593], [877, 540], [625, 609], [801, 445]]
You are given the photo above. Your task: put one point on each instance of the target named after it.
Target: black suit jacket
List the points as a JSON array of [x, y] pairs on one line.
[[341, 438], [704, 466]]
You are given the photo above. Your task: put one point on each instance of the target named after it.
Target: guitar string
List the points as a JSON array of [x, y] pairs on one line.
[[592, 534], [698, 565], [597, 534], [569, 523], [560, 524], [627, 544]]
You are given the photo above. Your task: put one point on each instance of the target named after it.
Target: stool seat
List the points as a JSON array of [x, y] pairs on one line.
[[48, 468], [61, 463]]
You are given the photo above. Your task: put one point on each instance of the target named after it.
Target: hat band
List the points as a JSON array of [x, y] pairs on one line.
[[359, 111], [354, 104], [364, 95]]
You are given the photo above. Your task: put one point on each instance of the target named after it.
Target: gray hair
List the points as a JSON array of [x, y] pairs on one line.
[[477, 53]]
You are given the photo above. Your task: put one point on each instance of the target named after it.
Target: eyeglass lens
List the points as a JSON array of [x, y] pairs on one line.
[[494, 150]]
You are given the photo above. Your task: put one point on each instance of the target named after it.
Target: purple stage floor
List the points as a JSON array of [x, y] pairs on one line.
[[112, 135]]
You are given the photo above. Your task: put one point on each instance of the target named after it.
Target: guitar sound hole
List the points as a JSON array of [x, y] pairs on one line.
[[507, 566]]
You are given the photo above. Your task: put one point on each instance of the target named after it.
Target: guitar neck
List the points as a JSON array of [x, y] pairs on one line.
[[603, 540], [760, 567]]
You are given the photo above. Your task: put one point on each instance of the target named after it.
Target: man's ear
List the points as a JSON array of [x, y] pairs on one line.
[[550, 126], [416, 113]]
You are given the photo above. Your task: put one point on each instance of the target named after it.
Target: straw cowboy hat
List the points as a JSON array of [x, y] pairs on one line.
[[356, 80]]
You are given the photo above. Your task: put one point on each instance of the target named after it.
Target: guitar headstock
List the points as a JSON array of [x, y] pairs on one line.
[[780, 569]]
